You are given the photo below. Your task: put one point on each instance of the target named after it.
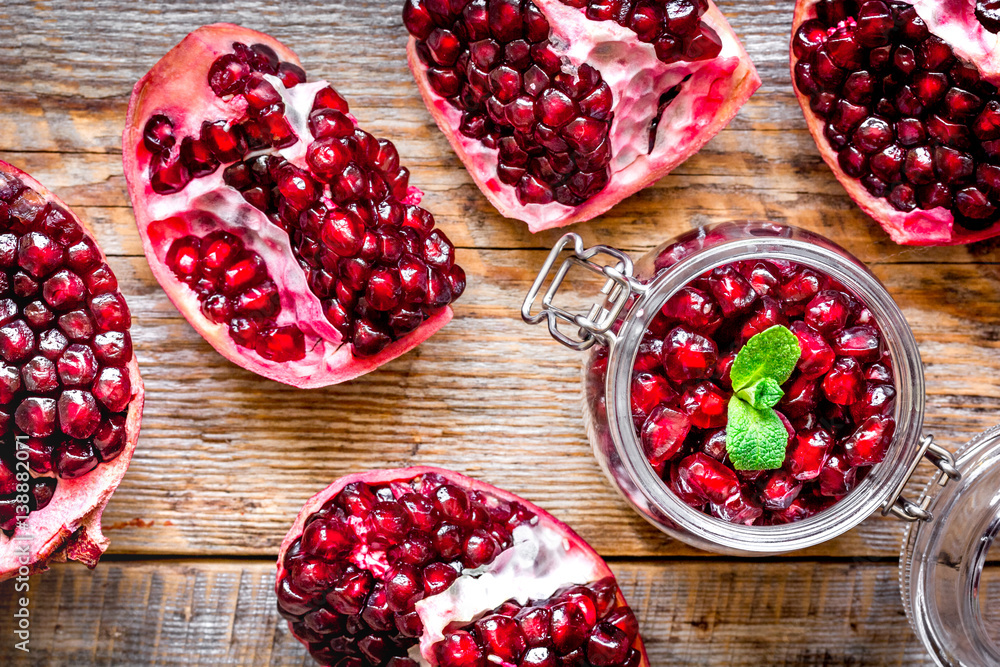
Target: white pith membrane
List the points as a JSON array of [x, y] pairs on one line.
[[955, 22], [69, 527], [213, 196], [711, 93], [538, 563], [208, 203], [544, 557]]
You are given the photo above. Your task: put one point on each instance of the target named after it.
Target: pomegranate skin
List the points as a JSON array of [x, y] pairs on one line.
[[178, 87], [716, 91], [68, 528], [573, 543], [955, 23]]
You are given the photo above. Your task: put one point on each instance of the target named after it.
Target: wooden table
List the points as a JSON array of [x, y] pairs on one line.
[[226, 458]]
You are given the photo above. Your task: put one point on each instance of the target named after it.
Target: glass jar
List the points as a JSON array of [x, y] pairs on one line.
[[612, 331], [950, 580]]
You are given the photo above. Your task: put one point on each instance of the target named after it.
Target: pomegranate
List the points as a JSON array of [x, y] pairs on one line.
[[560, 109], [423, 566], [70, 392], [838, 405], [285, 234], [901, 98]]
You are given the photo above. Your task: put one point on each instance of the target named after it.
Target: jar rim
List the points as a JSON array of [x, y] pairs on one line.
[[760, 240]]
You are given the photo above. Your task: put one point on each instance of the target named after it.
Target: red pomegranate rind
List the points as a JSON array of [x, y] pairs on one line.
[[678, 104], [926, 214], [282, 300], [360, 645], [68, 527]]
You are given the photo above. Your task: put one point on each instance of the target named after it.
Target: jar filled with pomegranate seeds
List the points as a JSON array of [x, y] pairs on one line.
[[677, 338]]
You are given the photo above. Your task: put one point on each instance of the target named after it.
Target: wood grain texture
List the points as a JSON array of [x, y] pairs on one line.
[[738, 614], [226, 458]]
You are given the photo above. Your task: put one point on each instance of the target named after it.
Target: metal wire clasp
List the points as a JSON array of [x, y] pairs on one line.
[[906, 509], [596, 325]]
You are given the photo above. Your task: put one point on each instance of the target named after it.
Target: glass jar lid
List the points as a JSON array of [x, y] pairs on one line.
[[949, 576]]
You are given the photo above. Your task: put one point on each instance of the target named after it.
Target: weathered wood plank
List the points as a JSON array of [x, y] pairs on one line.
[[488, 396], [736, 614], [765, 164]]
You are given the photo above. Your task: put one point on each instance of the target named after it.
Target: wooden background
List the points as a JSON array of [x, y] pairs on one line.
[[226, 458]]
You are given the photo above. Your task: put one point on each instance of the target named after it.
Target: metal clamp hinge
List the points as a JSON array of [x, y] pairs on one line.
[[906, 509], [596, 325]]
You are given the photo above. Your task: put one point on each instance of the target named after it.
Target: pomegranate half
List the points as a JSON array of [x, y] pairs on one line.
[[901, 98], [560, 109], [424, 566], [70, 392], [286, 235]]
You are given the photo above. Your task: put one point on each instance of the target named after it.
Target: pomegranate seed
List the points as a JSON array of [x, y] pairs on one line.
[[694, 308], [817, 356], [158, 134], [705, 405], [808, 454], [780, 489], [568, 627], [459, 649], [862, 343], [737, 509], [228, 75], [648, 391], [502, 637], [868, 445], [708, 478], [837, 477], [663, 435], [75, 459], [844, 383], [688, 356]]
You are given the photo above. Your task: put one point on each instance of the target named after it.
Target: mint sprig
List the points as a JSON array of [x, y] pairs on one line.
[[755, 434]]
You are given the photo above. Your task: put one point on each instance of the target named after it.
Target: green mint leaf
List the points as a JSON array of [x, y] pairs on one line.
[[755, 439], [762, 394], [772, 353]]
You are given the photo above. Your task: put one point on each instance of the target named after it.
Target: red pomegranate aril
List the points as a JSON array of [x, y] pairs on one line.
[[944, 110], [648, 391], [705, 405], [158, 135], [828, 396], [808, 453], [75, 459], [817, 356], [341, 616], [708, 478], [879, 399], [844, 384], [862, 343], [363, 174], [38, 315], [663, 435], [837, 477], [828, 312], [868, 445], [780, 489], [688, 356]]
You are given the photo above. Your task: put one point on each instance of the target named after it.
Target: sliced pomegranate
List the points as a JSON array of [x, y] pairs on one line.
[[70, 392], [560, 109], [427, 566], [284, 233], [901, 98]]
